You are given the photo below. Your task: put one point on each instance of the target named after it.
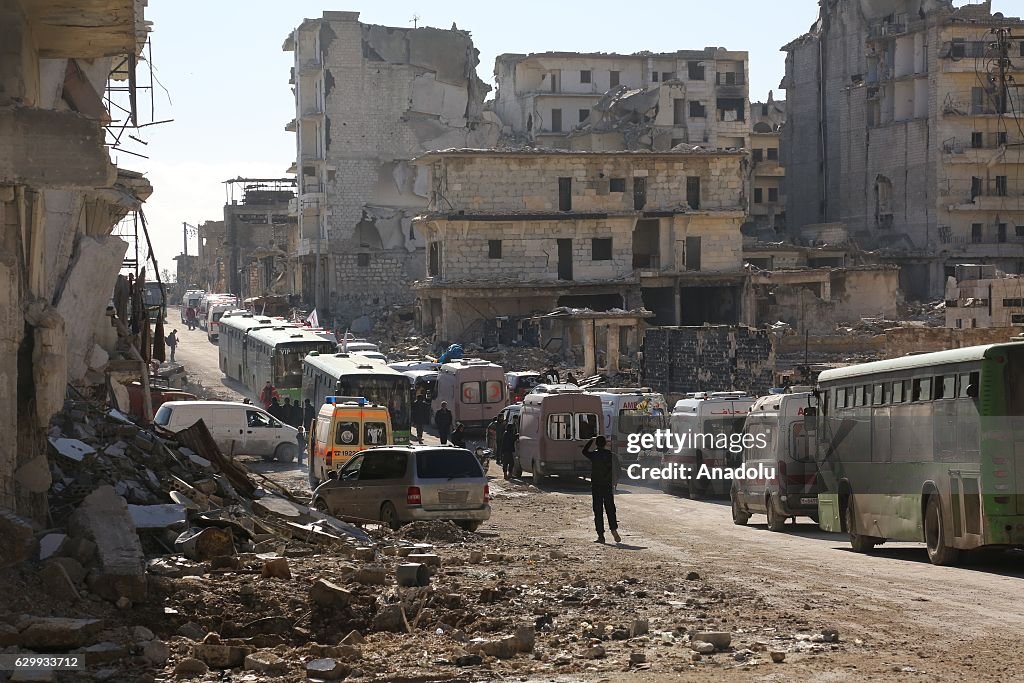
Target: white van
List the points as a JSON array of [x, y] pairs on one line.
[[631, 411], [238, 428], [703, 420], [780, 446]]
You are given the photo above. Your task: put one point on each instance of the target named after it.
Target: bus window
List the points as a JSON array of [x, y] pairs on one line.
[[560, 427], [897, 392], [878, 395], [949, 386], [858, 396], [922, 389], [471, 392], [841, 397], [801, 451], [586, 425]]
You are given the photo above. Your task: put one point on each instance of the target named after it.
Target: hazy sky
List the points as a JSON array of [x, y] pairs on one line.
[[226, 77]]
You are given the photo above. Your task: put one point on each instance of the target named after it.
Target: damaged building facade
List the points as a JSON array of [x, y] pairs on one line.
[[258, 222], [767, 175], [606, 101], [901, 125], [513, 233], [60, 197], [979, 296], [368, 99]]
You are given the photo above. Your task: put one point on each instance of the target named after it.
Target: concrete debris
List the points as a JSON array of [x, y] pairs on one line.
[[59, 634], [103, 517], [190, 667], [50, 545], [276, 568], [327, 669], [157, 516], [327, 594]]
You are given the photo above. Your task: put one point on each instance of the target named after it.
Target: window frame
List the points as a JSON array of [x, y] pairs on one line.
[[597, 247], [567, 423]]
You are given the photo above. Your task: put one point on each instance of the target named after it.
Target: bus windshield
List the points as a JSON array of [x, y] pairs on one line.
[[389, 391]]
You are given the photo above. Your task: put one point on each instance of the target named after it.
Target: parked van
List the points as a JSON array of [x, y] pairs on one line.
[[474, 389], [209, 300], [214, 313], [553, 428], [777, 423], [631, 411], [344, 426], [520, 384], [238, 428], [703, 420], [191, 299]]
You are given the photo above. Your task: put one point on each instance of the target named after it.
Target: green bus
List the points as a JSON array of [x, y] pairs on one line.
[[925, 448], [349, 374]]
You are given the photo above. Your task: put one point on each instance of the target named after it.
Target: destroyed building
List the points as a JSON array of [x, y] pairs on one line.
[[512, 233], [767, 175], [979, 296], [211, 266], [901, 124], [60, 197], [257, 225], [607, 101], [368, 99]]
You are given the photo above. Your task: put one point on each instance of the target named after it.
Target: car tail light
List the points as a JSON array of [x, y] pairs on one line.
[[487, 493], [413, 496], [329, 458]]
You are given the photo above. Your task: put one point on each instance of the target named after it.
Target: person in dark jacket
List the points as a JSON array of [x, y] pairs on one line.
[[420, 416], [602, 486], [308, 413], [443, 422], [459, 436], [276, 409], [296, 414], [286, 411], [508, 450]]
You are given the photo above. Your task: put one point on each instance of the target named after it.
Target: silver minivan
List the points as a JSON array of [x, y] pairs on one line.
[[400, 484]]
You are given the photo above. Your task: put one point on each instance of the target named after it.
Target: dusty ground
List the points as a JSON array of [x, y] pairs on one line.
[[682, 567]]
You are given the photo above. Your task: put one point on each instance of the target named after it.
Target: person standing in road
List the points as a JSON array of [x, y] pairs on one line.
[[508, 450], [308, 413], [276, 409], [266, 394], [297, 414], [443, 422], [286, 412], [602, 486], [420, 416], [172, 342], [300, 437]]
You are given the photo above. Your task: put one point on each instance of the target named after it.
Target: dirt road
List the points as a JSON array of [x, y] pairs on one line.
[[897, 616]]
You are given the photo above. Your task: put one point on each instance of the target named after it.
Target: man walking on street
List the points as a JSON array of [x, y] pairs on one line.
[[172, 341], [508, 450], [267, 394], [602, 486], [300, 437], [443, 421], [420, 416]]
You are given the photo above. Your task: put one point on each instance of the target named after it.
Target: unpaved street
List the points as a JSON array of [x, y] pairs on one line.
[[897, 616]]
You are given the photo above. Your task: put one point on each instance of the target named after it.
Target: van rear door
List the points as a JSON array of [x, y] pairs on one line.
[[449, 479]]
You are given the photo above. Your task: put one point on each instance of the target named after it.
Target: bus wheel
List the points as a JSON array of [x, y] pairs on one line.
[[389, 516], [286, 452], [776, 522], [859, 543], [935, 535], [739, 517]]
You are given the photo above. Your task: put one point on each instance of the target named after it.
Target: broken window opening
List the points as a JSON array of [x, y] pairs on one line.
[[556, 120], [1001, 232], [977, 140], [585, 76], [613, 79], [758, 155], [976, 233], [646, 237], [565, 259], [679, 111], [692, 253], [1001, 186], [693, 192], [565, 194], [667, 75], [758, 195], [883, 202], [493, 248], [773, 194], [617, 185], [434, 259], [772, 153], [697, 110], [654, 76], [584, 114], [639, 193], [695, 71], [363, 260], [731, 109], [368, 236], [601, 249]]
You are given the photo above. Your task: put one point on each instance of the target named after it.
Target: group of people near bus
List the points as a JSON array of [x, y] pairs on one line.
[[290, 412]]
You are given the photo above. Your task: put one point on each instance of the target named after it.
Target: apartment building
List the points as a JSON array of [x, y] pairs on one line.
[[767, 175], [904, 124], [368, 99], [606, 101], [513, 233], [979, 296]]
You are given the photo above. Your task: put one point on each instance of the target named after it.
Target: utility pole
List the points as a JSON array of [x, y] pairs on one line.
[[1004, 39], [415, 20]]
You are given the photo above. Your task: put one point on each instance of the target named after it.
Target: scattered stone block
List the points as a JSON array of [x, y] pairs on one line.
[[220, 656], [373, 575], [156, 652], [276, 569], [50, 545], [103, 653], [103, 517], [327, 594], [265, 662], [720, 639], [702, 647], [777, 656], [353, 638], [429, 559], [191, 667], [327, 669], [389, 618], [58, 634]]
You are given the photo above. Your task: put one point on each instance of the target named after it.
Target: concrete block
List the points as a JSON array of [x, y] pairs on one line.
[[103, 517]]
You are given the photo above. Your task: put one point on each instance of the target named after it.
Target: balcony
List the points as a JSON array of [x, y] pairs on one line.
[[730, 78], [991, 195]]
